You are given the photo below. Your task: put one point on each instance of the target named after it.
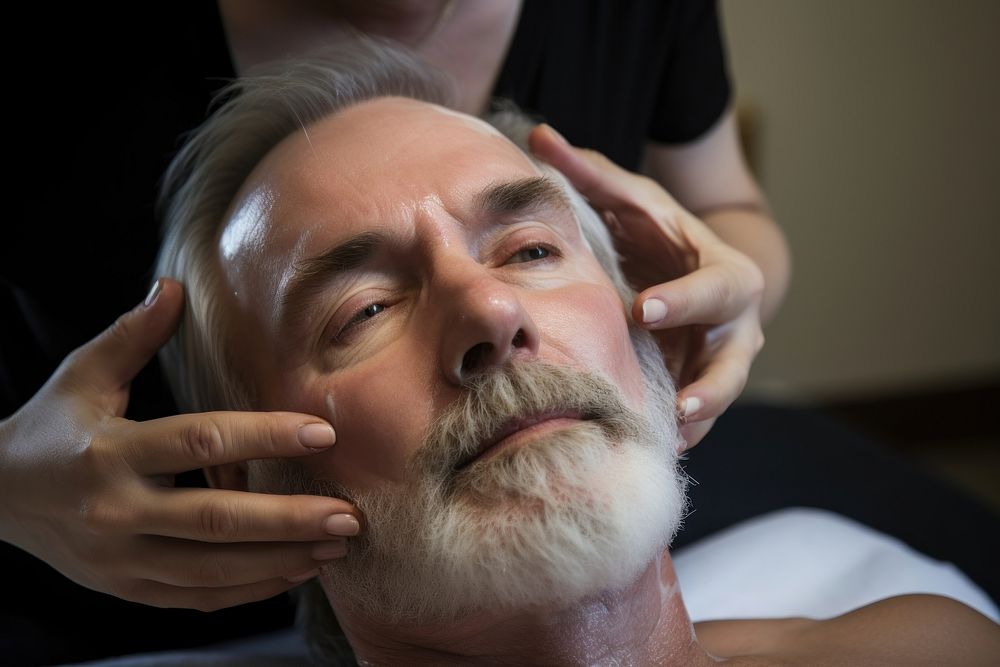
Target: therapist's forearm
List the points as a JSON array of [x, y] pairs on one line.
[[754, 233]]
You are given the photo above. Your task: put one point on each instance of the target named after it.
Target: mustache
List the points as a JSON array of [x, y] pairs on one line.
[[498, 396]]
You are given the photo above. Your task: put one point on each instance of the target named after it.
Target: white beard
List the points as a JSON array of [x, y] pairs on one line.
[[586, 518], [567, 515]]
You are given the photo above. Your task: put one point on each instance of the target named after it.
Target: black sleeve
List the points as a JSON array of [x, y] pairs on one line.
[[695, 89]]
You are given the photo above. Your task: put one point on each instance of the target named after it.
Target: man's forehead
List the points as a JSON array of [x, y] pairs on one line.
[[365, 168], [372, 138], [401, 148]]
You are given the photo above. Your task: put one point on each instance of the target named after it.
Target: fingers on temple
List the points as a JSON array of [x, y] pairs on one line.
[[217, 515], [591, 173], [190, 441], [194, 564], [202, 598], [711, 295]]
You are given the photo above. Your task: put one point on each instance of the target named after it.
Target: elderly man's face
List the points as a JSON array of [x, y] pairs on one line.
[[408, 273], [457, 259]]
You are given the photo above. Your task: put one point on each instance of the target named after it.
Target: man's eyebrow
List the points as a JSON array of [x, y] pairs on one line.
[[511, 197], [310, 276]]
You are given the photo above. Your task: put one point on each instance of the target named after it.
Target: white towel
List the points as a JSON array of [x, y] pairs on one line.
[[812, 563]]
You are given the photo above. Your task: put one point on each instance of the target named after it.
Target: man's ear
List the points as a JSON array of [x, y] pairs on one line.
[[231, 476]]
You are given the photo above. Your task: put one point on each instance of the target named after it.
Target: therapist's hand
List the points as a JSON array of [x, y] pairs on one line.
[[92, 493], [700, 296]]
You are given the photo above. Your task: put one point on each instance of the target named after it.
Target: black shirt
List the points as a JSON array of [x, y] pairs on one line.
[[615, 75]]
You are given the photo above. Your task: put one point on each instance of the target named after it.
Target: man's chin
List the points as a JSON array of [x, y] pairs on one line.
[[555, 522], [570, 464]]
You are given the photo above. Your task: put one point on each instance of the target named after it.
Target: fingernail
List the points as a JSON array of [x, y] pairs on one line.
[[299, 578], [154, 292], [330, 550], [342, 524], [317, 436], [556, 134], [653, 310], [690, 406]]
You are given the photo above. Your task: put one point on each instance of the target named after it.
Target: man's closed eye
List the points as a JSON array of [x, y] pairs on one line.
[[359, 319], [534, 252], [531, 253]]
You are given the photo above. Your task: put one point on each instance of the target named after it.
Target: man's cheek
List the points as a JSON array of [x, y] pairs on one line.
[[378, 425], [589, 326]]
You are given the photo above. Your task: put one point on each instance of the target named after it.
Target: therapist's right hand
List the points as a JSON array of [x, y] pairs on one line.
[[92, 493]]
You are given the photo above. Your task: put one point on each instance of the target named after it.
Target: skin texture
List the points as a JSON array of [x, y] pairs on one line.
[[450, 282]]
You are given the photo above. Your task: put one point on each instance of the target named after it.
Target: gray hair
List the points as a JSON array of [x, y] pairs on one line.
[[253, 115]]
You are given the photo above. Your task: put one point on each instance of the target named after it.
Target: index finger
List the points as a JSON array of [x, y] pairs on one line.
[[185, 442], [601, 181]]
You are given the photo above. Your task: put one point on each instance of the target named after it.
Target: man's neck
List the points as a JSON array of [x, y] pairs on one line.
[[644, 624]]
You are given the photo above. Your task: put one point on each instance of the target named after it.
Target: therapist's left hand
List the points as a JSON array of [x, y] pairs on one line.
[[700, 296]]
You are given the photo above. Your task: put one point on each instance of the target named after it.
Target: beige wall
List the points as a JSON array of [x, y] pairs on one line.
[[879, 147]]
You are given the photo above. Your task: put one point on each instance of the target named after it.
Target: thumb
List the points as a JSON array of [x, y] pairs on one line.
[[117, 354]]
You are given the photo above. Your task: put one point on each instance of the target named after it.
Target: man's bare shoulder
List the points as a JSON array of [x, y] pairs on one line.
[[904, 630]]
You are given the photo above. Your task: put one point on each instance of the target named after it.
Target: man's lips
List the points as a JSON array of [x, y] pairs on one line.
[[515, 428]]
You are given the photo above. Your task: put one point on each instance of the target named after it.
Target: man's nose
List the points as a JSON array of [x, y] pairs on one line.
[[486, 325]]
